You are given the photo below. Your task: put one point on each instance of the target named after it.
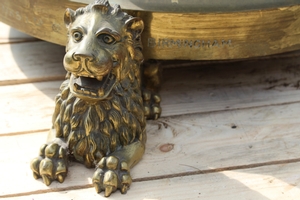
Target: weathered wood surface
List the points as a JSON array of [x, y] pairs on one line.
[[249, 150]]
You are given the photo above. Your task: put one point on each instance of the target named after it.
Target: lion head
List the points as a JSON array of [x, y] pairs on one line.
[[99, 107], [102, 40]]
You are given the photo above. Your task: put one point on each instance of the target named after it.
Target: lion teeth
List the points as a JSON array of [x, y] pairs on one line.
[[99, 78], [86, 92], [76, 87], [100, 92], [93, 94]]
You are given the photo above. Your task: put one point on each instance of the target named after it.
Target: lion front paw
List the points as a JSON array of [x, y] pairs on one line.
[[51, 164], [151, 104], [112, 174]]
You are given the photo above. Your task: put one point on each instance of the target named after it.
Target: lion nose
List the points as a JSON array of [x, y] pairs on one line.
[[81, 56]]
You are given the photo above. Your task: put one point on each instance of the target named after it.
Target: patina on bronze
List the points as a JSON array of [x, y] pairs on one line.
[[99, 116]]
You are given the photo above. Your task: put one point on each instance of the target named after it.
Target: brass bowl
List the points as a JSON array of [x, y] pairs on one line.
[[177, 29]]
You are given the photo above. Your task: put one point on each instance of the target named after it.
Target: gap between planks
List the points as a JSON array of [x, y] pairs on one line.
[[32, 80], [204, 112], [25, 59], [30, 63], [9, 35]]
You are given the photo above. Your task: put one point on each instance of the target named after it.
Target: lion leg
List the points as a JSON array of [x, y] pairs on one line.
[[152, 78], [51, 164], [113, 171]]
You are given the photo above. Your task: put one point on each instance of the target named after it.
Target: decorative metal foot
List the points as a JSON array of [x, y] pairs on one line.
[[112, 174], [99, 116], [113, 171], [52, 163], [151, 104]]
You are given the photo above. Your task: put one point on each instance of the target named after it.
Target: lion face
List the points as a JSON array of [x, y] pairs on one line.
[[97, 49]]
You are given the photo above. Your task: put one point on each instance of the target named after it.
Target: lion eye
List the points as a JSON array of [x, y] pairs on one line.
[[77, 36], [107, 39]]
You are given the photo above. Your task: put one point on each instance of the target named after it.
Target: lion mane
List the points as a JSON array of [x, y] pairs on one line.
[[94, 129]]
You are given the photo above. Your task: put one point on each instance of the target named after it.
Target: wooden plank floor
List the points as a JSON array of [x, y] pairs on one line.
[[228, 131]]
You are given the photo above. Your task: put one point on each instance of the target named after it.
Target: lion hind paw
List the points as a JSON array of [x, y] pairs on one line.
[[151, 104]]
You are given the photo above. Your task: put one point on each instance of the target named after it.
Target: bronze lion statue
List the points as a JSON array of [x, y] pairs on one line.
[[100, 111]]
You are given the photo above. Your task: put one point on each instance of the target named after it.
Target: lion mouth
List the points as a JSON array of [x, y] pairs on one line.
[[92, 87]]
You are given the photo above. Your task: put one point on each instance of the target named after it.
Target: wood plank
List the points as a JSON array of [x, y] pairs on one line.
[[279, 182], [235, 85], [188, 145], [31, 62], [190, 90], [11, 35], [222, 139], [27, 107]]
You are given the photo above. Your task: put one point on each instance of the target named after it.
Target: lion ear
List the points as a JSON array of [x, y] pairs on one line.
[[102, 8], [69, 16], [135, 24]]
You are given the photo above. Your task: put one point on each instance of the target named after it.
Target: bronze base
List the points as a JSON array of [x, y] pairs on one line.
[[185, 36]]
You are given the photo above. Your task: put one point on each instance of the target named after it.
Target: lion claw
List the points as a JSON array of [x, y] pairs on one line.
[[46, 180], [36, 176], [108, 191], [124, 189]]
